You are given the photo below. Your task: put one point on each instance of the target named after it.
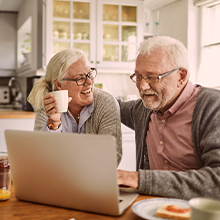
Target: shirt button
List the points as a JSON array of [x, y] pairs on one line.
[[161, 142], [163, 121], [165, 161]]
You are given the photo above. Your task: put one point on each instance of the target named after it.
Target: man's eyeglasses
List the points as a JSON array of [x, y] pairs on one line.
[[150, 79], [81, 80]]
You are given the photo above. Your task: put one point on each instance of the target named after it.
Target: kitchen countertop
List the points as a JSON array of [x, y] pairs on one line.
[[13, 114]]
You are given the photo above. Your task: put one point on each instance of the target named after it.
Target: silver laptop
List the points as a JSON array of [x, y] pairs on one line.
[[77, 171]]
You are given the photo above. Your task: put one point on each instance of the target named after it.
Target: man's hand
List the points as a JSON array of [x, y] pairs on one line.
[[128, 178]]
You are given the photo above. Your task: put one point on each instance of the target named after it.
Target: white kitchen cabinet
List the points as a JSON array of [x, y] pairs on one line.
[[26, 124], [128, 161], [109, 31], [29, 37]]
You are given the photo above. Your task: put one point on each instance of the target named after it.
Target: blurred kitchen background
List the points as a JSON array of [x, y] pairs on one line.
[[32, 31]]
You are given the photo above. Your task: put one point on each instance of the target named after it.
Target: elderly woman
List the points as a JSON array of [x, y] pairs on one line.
[[90, 110]]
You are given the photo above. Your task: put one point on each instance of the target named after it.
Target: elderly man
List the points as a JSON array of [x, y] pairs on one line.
[[176, 123]]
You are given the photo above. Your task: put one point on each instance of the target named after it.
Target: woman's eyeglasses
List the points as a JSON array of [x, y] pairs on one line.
[[81, 80]]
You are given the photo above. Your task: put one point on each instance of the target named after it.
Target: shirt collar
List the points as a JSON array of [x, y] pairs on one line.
[[184, 96], [85, 114], [90, 107]]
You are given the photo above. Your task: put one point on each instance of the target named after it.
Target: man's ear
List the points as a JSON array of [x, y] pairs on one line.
[[183, 76], [57, 84]]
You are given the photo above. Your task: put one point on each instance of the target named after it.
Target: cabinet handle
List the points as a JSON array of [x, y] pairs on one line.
[[98, 62], [91, 61]]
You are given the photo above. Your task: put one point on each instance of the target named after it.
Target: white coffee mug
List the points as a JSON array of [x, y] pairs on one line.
[[204, 209], [62, 100]]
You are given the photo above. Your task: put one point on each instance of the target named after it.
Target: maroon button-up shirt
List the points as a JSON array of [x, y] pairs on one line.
[[169, 138]]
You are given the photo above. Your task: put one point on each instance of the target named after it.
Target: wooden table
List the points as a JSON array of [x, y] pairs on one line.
[[16, 114], [14, 209]]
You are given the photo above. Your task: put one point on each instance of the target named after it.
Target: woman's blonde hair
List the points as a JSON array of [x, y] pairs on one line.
[[57, 68]]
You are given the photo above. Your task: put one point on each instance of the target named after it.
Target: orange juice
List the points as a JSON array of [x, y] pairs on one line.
[[4, 194], [5, 177]]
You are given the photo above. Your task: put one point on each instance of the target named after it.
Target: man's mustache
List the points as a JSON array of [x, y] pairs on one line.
[[149, 93]]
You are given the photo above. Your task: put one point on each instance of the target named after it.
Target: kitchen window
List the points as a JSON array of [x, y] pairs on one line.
[[209, 71]]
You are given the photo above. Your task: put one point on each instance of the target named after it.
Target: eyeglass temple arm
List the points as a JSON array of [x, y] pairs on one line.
[[166, 74], [66, 79]]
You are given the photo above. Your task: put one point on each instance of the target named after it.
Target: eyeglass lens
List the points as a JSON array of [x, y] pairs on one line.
[[82, 80], [149, 79]]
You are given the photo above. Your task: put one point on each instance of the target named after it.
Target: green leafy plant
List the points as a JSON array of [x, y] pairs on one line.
[[26, 46]]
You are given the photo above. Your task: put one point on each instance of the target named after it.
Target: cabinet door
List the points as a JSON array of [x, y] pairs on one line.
[[107, 30], [25, 124], [119, 32], [70, 24]]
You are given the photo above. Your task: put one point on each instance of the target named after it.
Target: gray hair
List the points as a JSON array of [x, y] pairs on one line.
[[175, 49], [57, 68]]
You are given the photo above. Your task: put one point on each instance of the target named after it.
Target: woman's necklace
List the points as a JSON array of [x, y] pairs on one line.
[[75, 115]]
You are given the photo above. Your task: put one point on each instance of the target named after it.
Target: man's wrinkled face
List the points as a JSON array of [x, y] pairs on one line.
[[161, 95]]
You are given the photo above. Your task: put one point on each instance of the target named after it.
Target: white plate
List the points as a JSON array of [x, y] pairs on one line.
[[147, 208]]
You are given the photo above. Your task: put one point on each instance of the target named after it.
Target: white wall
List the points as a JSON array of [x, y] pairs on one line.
[[173, 20], [193, 40], [179, 20]]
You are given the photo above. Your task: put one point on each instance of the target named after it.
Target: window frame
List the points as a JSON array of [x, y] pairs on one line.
[[208, 46]]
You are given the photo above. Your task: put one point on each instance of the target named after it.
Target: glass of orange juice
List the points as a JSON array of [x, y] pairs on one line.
[[5, 177]]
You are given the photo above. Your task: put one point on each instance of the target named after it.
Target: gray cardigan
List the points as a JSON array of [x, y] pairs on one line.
[[105, 119], [204, 182]]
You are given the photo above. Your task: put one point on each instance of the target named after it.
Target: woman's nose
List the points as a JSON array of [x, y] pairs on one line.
[[89, 81]]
